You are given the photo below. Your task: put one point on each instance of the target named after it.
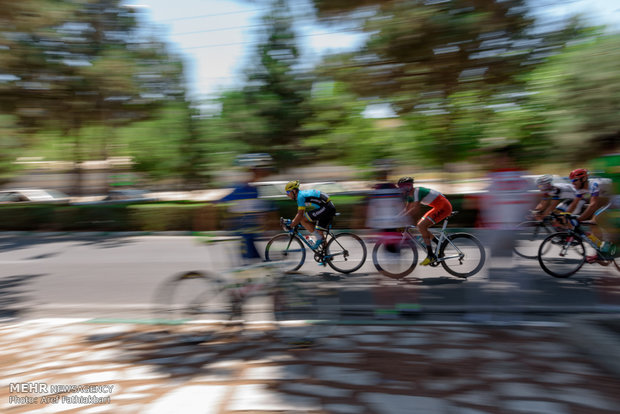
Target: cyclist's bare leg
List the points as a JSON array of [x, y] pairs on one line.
[[596, 229], [310, 226], [423, 226]]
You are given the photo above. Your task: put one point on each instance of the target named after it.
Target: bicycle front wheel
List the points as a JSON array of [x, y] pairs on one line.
[[462, 255], [395, 259], [528, 237], [562, 254], [193, 295], [345, 252], [285, 248]]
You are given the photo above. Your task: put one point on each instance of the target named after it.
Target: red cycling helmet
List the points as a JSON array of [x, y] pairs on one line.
[[578, 173]]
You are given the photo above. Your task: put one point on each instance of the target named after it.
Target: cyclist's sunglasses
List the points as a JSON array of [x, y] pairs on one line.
[[574, 180]]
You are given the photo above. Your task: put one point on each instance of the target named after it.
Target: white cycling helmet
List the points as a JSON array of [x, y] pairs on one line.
[[544, 181]]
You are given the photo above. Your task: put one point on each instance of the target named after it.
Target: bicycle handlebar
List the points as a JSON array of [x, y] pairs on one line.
[[285, 224]]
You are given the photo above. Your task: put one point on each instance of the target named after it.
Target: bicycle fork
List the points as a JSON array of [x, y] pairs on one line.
[[566, 246]]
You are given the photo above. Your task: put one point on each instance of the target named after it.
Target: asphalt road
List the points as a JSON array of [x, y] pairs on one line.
[[116, 276]]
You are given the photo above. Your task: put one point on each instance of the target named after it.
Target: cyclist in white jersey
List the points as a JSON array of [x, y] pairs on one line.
[[555, 196]]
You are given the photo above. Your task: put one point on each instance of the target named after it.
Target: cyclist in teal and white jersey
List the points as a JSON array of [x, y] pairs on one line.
[[599, 191], [314, 221]]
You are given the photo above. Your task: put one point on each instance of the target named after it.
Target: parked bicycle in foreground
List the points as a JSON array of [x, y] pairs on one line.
[[344, 252], [460, 254], [563, 253], [263, 293]]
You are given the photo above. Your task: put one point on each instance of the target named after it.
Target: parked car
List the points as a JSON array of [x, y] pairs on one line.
[[129, 195], [125, 195], [32, 195]]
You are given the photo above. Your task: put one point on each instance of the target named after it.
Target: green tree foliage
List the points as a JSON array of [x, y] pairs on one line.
[[276, 90], [580, 90], [77, 62], [168, 146], [70, 64], [421, 49], [453, 70], [339, 132]]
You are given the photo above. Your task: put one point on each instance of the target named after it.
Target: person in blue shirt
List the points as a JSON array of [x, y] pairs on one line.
[[316, 220], [247, 208]]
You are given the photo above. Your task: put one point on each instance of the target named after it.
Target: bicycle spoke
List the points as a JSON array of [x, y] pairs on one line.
[[192, 295], [462, 255], [395, 260], [528, 237], [346, 252], [561, 254], [283, 247]]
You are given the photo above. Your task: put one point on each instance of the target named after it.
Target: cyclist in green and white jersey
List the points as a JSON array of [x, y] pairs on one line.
[[440, 209]]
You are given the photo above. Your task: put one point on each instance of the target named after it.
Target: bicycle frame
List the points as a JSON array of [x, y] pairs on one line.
[[329, 235], [440, 240], [579, 232]]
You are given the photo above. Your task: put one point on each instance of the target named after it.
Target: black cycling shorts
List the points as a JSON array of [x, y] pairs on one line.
[[322, 216]]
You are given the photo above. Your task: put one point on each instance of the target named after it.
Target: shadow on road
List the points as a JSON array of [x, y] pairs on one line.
[[433, 281], [16, 242], [180, 352], [14, 294]]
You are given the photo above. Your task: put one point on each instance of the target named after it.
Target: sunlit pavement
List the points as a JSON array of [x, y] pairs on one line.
[[355, 368]]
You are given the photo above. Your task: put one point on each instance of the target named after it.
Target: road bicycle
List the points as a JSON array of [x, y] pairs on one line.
[[460, 254], [261, 295], [344, 252], [530, 233], [563, 253]]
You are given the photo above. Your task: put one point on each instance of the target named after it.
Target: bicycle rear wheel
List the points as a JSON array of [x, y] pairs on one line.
[[284, 247], [562, 254], [304, 311], [528, 237], [395, 259], [345, 252], [193, 295], [462, 255]]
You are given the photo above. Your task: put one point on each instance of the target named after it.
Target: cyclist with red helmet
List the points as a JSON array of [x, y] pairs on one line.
[[440, 209], [598, 190]]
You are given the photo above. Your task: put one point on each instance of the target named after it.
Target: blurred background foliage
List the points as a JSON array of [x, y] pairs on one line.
[[83, 80]]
